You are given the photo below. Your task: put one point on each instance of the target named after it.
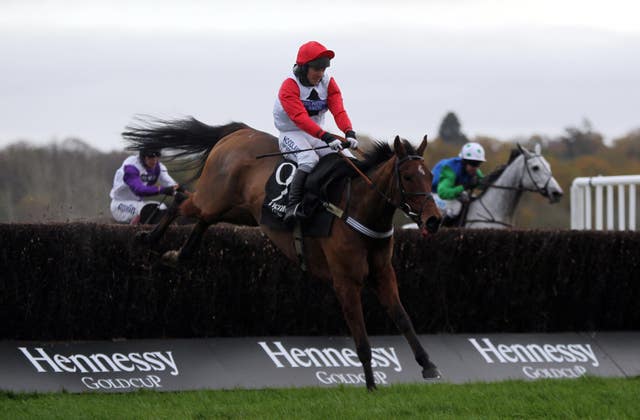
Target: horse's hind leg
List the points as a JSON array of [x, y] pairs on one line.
[[387, 292], [158, 231], [192, 243], [349, 297]]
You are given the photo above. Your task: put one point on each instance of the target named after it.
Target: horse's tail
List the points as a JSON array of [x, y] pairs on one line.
[[184, 138]]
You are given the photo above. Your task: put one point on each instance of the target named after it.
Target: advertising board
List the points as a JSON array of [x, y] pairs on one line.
[[268, 362]]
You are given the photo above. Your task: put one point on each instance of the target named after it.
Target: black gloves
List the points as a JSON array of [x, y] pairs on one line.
[[328, 138], [167, 190]]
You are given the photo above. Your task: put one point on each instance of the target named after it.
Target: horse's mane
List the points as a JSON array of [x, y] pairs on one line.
[[495, 174], [380, 153]]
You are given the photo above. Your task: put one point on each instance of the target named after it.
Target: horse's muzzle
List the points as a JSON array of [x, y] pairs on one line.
[[555, 196], [432, 224]]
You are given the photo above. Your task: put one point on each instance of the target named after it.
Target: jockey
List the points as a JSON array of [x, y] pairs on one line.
[[455, 177], [136, 179], [298, 113]]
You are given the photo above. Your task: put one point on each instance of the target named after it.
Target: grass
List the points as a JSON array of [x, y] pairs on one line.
[[590, 397]]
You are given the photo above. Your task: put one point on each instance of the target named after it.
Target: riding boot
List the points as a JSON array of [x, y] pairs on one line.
[[296, 192]]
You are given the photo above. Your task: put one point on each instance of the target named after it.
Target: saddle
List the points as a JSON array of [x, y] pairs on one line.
[[324, 184], [460, 219]]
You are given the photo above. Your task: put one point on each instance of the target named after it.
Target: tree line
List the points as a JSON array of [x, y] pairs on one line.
[[70, 181]]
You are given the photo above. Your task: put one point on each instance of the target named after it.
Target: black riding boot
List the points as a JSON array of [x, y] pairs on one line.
[[296, 192]]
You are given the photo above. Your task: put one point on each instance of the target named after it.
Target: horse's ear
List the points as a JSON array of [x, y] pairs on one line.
[[423, 146], [524, 151], [399, 148], [537, 149]]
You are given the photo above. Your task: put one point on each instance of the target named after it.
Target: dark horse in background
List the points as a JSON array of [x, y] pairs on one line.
[[230, 188]]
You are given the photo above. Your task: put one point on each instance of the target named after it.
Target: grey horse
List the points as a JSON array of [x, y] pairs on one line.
[[495, 207]]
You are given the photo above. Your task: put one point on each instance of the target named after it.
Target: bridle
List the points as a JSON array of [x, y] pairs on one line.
[[542, 190], [519, 188], [403, 205]]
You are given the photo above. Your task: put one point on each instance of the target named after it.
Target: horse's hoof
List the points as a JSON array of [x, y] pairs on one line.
[[372, 388], [170, 258], [431, 372]]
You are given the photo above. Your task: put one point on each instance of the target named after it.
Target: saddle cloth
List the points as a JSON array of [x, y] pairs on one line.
[[323, 184]]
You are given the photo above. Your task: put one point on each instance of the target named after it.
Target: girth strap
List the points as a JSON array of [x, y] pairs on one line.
[[353, 223]]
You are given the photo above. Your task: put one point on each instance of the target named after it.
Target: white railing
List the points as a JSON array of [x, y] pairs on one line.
[[581, 202]]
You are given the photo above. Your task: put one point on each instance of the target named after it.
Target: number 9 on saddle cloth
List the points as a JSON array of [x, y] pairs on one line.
[[325, 183]]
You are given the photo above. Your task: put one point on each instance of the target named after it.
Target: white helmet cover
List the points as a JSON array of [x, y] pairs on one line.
[[472, 151]]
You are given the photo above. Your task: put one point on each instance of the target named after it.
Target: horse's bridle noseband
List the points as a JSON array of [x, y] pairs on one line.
[[545, 188]]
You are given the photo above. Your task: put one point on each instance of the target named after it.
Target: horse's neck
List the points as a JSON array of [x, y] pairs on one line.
[[367, 205], [499, 204]]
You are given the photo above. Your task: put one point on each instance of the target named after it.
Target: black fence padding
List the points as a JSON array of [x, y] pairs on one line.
[[91, 281]]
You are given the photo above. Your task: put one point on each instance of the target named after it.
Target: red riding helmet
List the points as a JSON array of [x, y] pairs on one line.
[[311, 51]]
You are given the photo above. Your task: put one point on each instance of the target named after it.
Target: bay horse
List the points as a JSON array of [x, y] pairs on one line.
[[230, 187], [495, 207]]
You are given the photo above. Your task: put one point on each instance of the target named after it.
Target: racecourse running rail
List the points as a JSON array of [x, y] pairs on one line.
[[582, 202]]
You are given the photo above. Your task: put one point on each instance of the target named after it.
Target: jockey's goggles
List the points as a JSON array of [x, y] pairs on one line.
[[474, 163]]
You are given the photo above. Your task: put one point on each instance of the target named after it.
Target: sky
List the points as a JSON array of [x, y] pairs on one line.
[[508, 69]]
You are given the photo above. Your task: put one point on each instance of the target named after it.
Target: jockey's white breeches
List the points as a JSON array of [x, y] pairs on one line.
[[125, 211], [449, 208]]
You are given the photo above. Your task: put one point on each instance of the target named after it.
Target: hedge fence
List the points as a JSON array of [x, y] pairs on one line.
[[90, 281]]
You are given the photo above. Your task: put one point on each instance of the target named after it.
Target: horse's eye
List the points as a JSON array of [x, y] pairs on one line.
[[407, 177], [536, 168]]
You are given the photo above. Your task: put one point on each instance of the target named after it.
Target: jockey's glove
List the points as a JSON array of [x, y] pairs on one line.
[[332, 141], [167, 190], [351, 139], [337, 145]]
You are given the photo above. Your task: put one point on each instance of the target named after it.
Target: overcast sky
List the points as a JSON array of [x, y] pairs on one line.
[[507, 68]]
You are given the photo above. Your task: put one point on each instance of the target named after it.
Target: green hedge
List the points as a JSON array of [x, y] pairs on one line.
[[89, 281]]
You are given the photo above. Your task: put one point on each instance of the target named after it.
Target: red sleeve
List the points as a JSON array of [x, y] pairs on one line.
[[289, 96], [334, 101]]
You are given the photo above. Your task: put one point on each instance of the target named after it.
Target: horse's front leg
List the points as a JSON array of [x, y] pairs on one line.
[[349, 296], [387, 292]]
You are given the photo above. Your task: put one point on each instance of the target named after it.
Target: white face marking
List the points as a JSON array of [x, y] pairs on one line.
[[421, 170]]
